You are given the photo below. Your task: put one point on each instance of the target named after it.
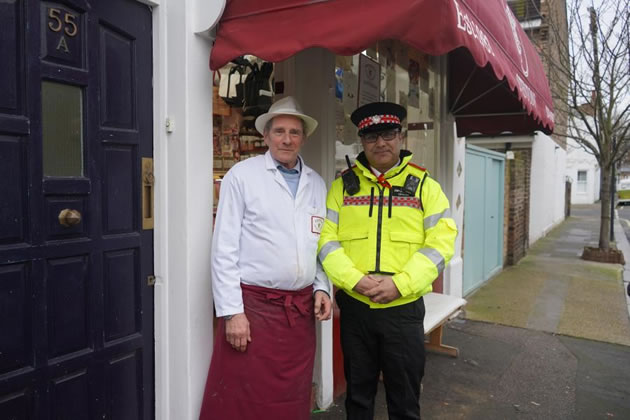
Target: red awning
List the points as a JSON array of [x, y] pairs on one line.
[[496, 79]]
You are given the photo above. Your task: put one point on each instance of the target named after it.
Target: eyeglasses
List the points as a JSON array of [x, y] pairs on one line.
[[388, 135], [293, 133]]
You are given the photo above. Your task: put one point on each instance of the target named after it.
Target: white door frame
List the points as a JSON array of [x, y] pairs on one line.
[[183, 202]]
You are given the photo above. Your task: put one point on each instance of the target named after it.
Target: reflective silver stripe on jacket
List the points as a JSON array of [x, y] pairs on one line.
[[327, 249], [433, 220], [435, 257], [333, 216]]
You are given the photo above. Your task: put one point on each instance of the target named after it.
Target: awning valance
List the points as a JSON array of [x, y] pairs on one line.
[[497, 82]]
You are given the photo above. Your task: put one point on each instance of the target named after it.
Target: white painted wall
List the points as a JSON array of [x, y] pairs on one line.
[[580, 160], [547, 177], [453, 155], [183, 203]]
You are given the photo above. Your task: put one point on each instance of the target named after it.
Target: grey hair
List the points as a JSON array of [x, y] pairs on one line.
[[270, 123]]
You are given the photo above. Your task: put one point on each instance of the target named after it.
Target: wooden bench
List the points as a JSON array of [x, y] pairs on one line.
[[440, 308]]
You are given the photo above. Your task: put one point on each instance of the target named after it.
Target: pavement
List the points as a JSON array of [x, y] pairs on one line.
[[553, 290], [548, 338]]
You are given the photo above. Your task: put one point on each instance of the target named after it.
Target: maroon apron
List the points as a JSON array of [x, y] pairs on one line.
[[273, 378]]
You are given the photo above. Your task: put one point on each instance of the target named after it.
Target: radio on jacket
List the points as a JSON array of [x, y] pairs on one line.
[[350, 179]]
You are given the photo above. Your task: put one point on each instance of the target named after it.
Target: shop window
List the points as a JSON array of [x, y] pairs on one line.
[[407, 77], [241, 92]]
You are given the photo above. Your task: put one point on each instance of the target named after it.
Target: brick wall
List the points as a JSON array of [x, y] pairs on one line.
[[551, 38], [517, 175]]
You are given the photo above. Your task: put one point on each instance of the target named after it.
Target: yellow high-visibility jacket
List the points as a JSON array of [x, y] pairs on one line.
[[385, 229]]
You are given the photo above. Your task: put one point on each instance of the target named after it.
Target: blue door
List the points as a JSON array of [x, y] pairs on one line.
[[76, 311], [483, 216]]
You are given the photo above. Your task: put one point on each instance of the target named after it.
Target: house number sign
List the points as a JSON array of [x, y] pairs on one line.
[[63, 25]]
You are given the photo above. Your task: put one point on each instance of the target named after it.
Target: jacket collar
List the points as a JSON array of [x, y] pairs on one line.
[[363, 164]]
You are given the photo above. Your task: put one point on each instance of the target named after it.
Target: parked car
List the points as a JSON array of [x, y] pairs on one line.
[[623, 192]]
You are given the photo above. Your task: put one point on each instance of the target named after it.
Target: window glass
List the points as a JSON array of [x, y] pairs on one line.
[[581, 181], [62, 129]]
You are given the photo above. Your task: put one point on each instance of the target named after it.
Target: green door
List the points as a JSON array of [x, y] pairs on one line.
[[483, 216]]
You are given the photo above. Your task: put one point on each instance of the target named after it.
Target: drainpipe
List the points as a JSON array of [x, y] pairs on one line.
[[612, 204], [613, 189]]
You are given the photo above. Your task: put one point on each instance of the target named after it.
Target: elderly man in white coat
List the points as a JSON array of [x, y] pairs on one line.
[[267, 283]]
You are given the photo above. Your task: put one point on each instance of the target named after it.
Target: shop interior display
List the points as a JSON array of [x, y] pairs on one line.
[[241, 92]]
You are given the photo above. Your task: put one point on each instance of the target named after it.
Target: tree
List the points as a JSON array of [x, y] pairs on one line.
[[589, 72]]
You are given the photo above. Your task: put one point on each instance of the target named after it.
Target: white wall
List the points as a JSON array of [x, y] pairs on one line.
[[183, 204], [453, 155], [546, 199], [580, 160]]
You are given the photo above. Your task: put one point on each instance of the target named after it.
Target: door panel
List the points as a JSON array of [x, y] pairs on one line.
[[15, 319], [120, 204], [118, 108], [474, 209], [493, 223], [123, 379], [67, 284], [11, 51], [70, 396], [122, 296], [17, 406], [13, 212], [76, 312]]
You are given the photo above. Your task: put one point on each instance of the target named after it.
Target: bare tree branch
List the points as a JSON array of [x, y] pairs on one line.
[[587, 56]]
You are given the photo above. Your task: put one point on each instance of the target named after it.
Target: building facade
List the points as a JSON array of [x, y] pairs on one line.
[[106, 138]]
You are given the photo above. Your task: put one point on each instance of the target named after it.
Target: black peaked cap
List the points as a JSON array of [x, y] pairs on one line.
[[378, 108]]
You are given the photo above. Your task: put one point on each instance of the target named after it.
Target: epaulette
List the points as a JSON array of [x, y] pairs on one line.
[[347, 169], [417, 167]]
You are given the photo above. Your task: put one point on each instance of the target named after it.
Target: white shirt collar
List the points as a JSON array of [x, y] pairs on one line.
[[297, 167], [271, 163], [377, 173]]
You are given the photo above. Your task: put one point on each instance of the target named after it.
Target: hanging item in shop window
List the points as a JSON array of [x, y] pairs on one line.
[[219, 107], [232, 86], [339, 83], [258, 90]]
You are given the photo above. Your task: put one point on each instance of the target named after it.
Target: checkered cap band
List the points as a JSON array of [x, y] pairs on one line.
[[378, 119]]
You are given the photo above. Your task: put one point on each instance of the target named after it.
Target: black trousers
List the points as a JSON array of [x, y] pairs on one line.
[[390, 340]]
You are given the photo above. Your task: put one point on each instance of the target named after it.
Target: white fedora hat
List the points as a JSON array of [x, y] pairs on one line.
[[286, 106]]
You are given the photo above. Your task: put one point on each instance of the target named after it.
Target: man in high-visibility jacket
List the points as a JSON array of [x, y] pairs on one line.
[[388, 234]]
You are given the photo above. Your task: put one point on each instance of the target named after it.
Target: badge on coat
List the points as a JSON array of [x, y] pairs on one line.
[[317, 223]]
